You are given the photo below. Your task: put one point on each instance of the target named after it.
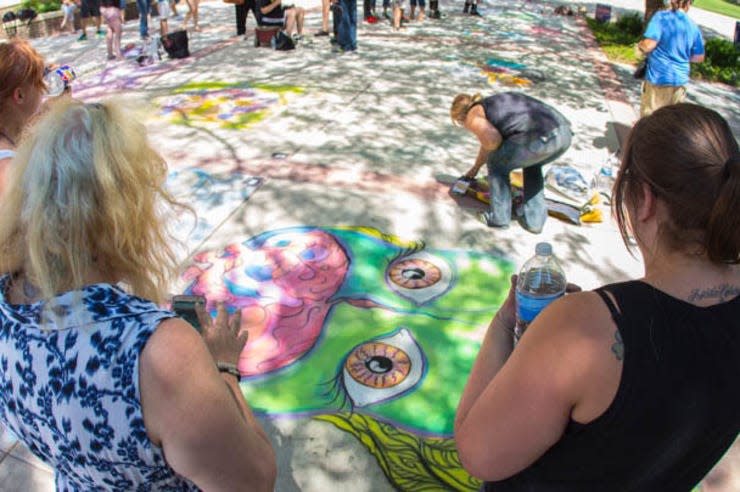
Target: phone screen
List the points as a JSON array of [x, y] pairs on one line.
[[461, 186], [184, 306]]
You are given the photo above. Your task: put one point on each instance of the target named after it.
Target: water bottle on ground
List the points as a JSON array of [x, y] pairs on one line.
[[541, 281]]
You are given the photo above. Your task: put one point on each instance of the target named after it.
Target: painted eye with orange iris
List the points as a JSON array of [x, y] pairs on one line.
[[414, 273], [383, 369], [419, 277], [378, 365]]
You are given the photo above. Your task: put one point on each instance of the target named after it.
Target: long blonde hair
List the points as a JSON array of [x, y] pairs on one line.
[[461, 105], [85, 194]]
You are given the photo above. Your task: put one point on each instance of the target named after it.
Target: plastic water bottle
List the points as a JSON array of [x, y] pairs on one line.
[[541, 281], [58, 79]]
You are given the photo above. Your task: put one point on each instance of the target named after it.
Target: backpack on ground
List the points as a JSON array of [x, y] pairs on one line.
[[283, 42], [176, 44]]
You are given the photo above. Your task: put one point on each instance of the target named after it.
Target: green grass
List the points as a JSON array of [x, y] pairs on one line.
[[719, 7]]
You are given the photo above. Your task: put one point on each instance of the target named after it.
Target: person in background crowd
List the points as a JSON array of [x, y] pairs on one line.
[[97, 379], [672, 42], [22, 90], [289, 18], [515, 131], [242, 11], [69, 7], [192, 13], [89, 8], [632, 386], [471, 6], [111, 12], [145, 9]]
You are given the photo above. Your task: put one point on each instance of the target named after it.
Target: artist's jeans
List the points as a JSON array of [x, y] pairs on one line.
[[144, 6], [529, 152], [347, 28]]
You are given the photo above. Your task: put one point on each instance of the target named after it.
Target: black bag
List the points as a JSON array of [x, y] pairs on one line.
[[26, 15], [283, 42], [176, 44], [641, 69]]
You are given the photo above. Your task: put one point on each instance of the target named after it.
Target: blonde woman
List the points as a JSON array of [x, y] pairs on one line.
[[111, 390], [192, 12], [515, 131]]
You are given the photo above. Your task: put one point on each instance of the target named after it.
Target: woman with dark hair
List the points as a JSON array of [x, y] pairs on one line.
[[632, 386], [671, 42]]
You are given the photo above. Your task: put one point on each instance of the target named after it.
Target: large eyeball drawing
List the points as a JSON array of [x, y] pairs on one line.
[[419, 277], [383, 369]]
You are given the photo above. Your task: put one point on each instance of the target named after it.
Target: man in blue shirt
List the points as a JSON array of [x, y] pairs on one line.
[[672, 41]]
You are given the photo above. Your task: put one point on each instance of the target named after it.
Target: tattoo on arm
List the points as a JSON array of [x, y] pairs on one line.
[[722, 292], [618, 346]]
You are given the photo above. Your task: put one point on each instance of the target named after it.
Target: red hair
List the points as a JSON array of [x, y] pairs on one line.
[[20, 64]]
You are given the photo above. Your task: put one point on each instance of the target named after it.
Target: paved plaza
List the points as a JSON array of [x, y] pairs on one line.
[[339, 160]]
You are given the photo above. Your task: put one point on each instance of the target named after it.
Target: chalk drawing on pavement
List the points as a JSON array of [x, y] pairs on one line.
[[370, 332], [222, 104]]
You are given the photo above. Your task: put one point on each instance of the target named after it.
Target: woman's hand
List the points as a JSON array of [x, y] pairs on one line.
[[223, 336]]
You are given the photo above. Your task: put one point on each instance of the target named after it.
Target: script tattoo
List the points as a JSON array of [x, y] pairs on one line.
[[618, 347], [722, 292]]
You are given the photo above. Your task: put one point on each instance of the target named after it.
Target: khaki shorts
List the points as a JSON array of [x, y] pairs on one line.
[[657, 96]]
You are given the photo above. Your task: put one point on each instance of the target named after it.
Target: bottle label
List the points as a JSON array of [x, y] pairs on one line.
[[527, 308]]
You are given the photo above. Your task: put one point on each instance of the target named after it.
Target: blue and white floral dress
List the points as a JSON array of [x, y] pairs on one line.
[[70, 388]]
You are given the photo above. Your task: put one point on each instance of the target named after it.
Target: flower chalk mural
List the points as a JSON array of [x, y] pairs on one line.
[[369, 332], [222, 104]]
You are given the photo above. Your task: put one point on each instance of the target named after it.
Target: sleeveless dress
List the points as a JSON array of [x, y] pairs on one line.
[[69, 390]]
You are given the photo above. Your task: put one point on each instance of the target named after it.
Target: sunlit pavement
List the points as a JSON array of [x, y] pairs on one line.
[[359, 139]]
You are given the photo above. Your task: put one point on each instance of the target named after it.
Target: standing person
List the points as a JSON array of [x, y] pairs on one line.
[[347, 26], [325, 8], [192, 12], [111, 11], [632, 386], [68, 8], [145, 8], [672, 42], [163, 9], [471, 6], [515, 131], [242, 11], [422, 6], [22, 90], [89, 8], [113, 391]]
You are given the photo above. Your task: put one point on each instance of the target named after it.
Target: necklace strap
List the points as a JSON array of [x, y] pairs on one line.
[[7, 137]]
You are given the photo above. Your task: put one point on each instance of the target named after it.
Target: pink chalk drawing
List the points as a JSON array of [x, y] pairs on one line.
[[283, 287]]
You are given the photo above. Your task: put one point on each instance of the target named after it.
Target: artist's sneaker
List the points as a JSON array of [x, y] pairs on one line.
[[83, 37], [297, 37]]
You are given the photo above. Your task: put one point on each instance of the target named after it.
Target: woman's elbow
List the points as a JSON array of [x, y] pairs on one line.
[[479, 460]]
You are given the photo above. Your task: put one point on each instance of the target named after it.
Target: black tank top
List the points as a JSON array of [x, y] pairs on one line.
[[676, 411], [514, 113]]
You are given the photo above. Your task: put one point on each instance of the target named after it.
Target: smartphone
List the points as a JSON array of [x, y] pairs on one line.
[[184, 306], [461, 186]]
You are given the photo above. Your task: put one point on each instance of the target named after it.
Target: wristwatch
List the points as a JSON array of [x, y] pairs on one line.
[[229, 368]]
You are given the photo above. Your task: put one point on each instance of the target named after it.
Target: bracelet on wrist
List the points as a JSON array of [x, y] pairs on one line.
[[229, 369]]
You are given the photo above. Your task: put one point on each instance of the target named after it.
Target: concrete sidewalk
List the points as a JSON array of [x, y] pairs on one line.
[[349, 148]]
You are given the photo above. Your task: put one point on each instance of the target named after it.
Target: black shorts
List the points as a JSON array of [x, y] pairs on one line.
[[89, 8]]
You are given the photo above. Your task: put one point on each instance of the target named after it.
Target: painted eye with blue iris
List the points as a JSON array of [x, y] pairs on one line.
[[383, 368]]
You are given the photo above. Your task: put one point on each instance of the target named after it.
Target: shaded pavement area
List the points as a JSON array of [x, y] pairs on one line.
[[318, 175]]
